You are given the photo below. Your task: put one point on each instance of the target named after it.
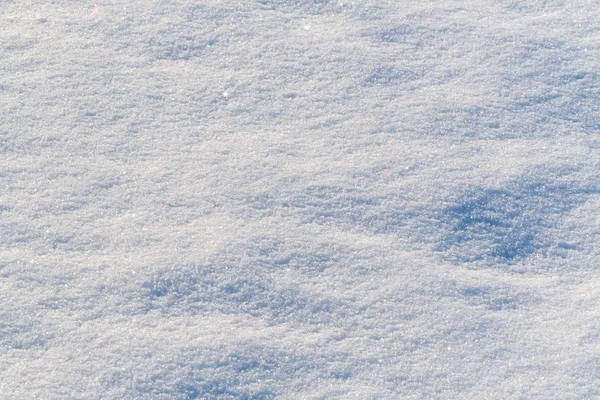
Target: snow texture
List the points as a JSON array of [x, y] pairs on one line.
[[299, 199]]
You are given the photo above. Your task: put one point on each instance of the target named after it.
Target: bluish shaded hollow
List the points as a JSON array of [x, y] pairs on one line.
[[505, 225]]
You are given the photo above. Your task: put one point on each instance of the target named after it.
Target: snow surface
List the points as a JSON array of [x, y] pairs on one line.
[[299, 199]]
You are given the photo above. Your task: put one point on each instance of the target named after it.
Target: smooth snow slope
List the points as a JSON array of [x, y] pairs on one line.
[[299, 199]]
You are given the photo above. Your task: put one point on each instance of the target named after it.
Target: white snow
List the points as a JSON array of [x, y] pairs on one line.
[[299, 199]]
